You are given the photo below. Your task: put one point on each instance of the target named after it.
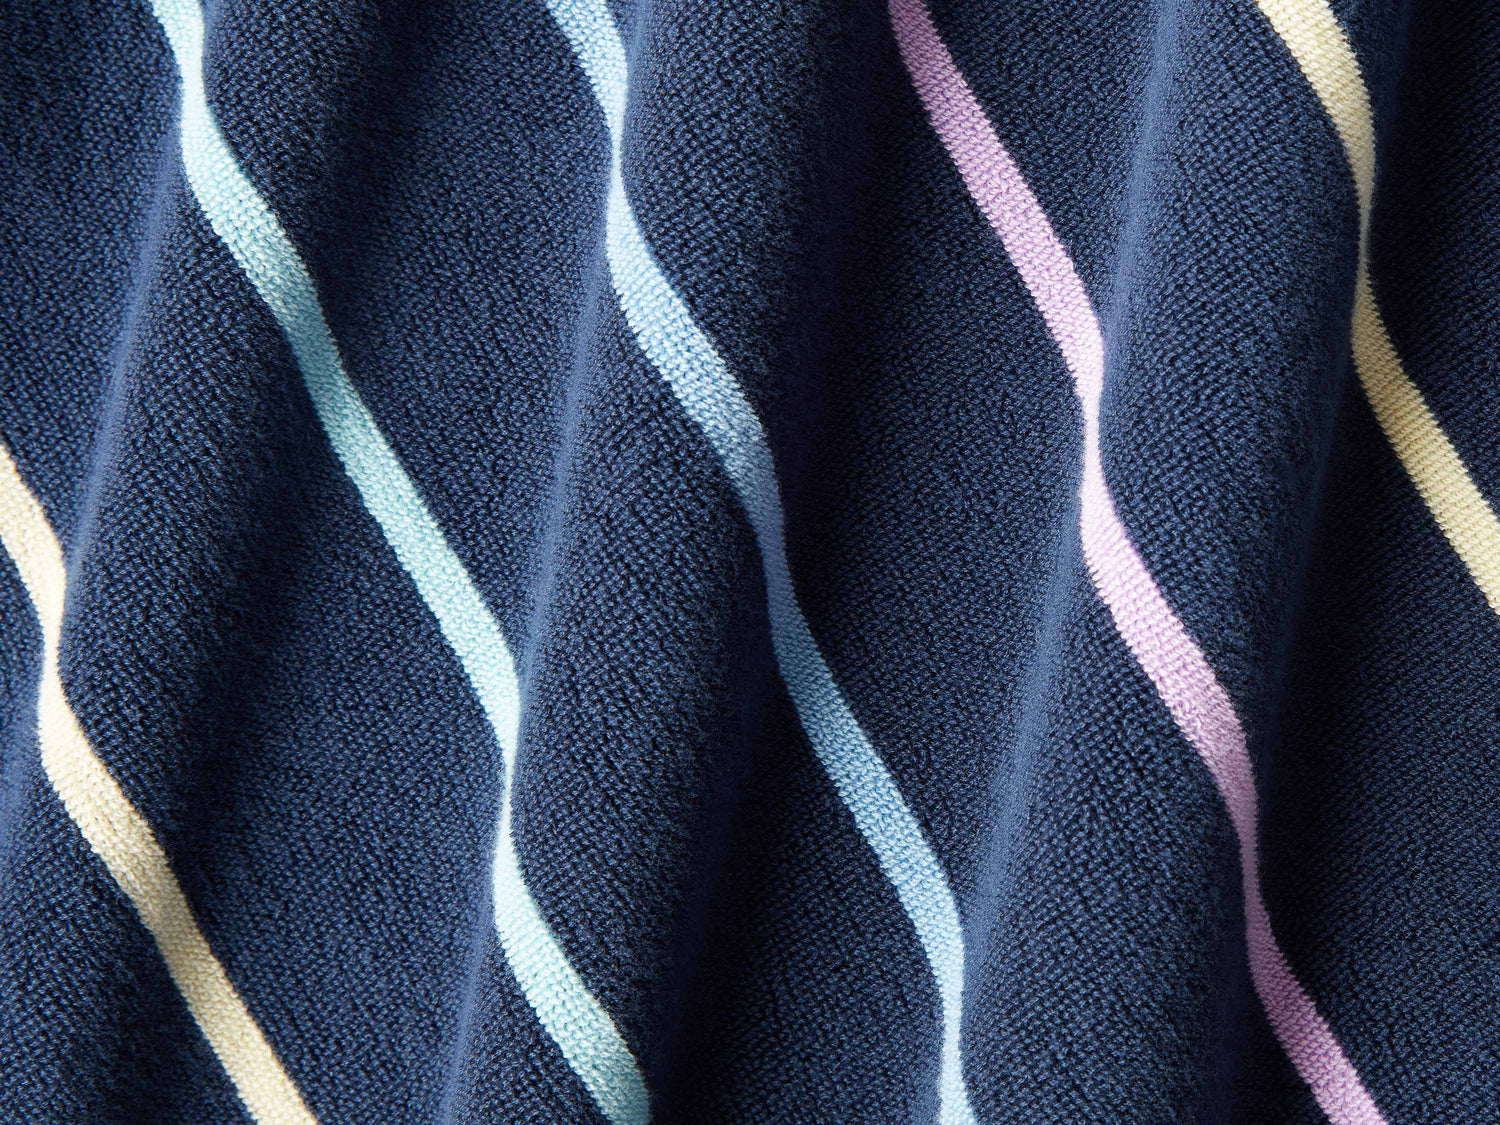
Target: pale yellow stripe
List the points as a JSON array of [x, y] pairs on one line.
[[1322, 51], [121, 837]]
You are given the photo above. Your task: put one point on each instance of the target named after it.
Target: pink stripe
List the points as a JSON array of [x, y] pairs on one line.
[[1173, 661]]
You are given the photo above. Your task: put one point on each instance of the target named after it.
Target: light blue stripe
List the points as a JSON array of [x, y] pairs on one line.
[[582, 1029], [713, 399]]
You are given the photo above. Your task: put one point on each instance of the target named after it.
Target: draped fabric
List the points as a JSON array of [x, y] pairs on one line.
[[663, 561]]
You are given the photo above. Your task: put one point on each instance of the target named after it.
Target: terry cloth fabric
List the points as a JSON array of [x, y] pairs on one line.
[[665, 561]]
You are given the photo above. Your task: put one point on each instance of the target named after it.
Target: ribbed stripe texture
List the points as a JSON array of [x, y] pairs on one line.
[[120, 836], [1321, 49], [1156, 637], [582, 1029], [712, 398]]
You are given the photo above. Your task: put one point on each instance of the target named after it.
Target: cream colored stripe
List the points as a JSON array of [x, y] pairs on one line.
[[1323, 53], [1433, 464], [1321, 49], [121, 837]]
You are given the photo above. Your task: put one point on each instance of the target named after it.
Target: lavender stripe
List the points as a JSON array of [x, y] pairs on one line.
[[1156, 637]]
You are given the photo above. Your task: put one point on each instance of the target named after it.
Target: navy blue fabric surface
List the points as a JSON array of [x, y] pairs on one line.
[[250, 661]]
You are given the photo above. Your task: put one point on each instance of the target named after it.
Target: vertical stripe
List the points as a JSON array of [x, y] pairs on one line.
[[571, 1015], [1170, 657], [120, 836], [709, 394], [1327, 61]]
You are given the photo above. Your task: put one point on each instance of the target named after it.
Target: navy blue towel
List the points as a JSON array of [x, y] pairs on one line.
[[662, 562]]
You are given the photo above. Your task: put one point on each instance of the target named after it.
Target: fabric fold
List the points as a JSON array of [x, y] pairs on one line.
[[1177, 667]]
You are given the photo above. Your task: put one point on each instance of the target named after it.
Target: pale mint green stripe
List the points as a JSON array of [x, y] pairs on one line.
[[581, 1028], [710, 395]]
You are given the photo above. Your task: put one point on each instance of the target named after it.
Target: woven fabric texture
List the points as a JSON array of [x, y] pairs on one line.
[[646, 562]]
